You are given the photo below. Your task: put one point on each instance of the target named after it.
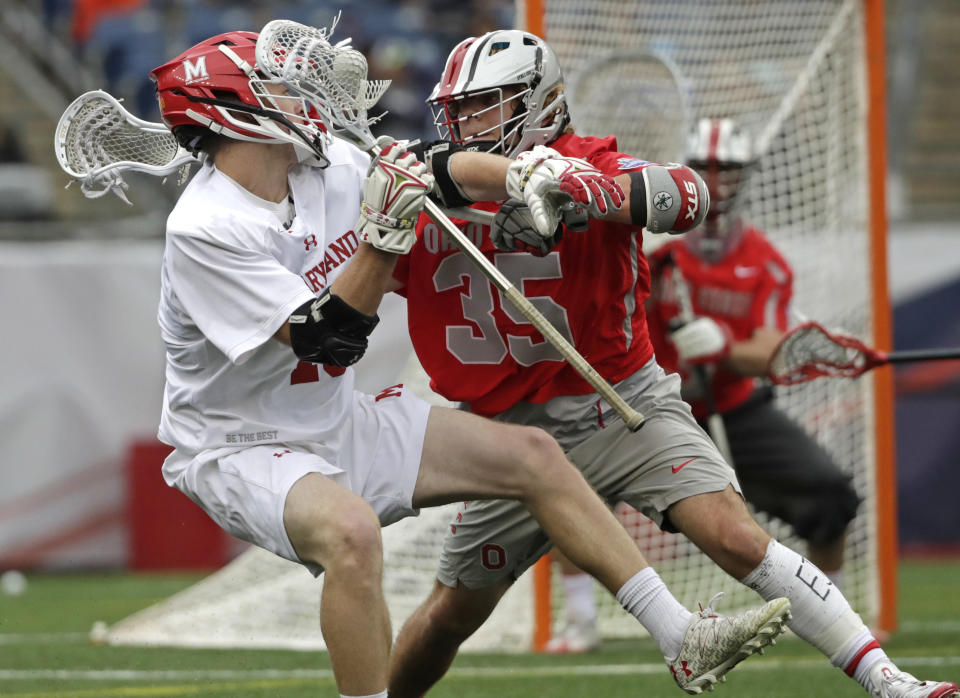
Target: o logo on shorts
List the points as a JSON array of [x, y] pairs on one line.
[[493, 557]]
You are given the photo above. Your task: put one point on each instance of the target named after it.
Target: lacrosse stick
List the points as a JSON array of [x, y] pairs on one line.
[[97, 140], [715, 426], [809, 351], [333, 80], [637, 95]]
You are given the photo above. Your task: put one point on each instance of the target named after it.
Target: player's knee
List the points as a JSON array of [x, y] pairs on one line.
[[738, 539], [745, 541], [456, 615], [347, 542], [541, 460]]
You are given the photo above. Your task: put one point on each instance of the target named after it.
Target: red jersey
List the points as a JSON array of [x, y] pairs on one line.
[[750, 288], [478, 349]]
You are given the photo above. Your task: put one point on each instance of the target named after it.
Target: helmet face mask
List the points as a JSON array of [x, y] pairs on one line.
[[512, 73], [503, 111], [215, 86], [720, 153]]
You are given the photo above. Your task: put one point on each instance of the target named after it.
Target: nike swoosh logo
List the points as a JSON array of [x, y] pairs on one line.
[[678, 468]]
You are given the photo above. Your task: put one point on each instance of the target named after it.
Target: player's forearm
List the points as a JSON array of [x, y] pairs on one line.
[[624, 213], [365, 280], [481, 176], [750, 357], [361, 286]]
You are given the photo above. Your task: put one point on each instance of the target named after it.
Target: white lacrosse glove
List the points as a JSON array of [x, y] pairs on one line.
[[513, 231], [703, 340], [393, 195], [546, 181]]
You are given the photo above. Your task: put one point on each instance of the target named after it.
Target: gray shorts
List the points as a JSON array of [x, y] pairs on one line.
[[670, 458]]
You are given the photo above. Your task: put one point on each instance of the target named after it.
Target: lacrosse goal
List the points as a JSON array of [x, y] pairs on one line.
[[805, 78]]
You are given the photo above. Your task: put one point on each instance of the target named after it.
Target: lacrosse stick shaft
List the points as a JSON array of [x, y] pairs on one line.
[[715, 426], [473, 215], [907, 356], [633, 419]]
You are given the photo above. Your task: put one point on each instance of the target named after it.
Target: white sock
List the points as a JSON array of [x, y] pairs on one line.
[[647, 598], [821, 614], [860, 656], [382, 694], [581, 602]]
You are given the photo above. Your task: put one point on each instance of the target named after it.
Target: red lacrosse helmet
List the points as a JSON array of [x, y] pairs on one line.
[[215, 86], [720, 152]]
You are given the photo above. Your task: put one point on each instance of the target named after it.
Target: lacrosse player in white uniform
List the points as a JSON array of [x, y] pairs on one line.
[[270, 286], [503, 92]]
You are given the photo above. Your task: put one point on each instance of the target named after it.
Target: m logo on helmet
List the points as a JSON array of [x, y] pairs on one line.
[[192, 72]]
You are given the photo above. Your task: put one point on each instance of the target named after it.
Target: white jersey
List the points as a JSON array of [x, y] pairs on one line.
[[235, 266]]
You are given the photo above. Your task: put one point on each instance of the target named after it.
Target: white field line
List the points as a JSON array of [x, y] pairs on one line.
[[765, 664], [42, 638], [907, 627], [929, 626]]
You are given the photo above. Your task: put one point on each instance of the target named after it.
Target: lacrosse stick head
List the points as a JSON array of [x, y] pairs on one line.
[[511, 71], [97, 140], [331, 78], [720, 152], [216, 87], [810, 351]]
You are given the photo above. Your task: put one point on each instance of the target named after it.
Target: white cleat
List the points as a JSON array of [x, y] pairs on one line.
[[890, 682], [575, 638], [714, 644]]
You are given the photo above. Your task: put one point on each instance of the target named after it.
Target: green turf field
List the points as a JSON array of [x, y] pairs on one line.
[[44, 652]]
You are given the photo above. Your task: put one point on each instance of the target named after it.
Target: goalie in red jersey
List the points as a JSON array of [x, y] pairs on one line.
[[503, 92], [738, 288]]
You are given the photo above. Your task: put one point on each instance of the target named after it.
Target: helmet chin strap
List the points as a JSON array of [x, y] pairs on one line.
[[309, 157]]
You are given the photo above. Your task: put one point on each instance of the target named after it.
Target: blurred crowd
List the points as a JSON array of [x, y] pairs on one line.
[[405, 41]]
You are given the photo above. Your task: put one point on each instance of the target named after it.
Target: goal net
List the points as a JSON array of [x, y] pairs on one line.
[[793, 73]]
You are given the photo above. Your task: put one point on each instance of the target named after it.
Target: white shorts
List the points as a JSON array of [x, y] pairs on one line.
[[245, 490]]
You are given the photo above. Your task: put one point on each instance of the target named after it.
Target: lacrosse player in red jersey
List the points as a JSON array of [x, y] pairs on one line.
[[277, 256], [739, 289], [503, 92]]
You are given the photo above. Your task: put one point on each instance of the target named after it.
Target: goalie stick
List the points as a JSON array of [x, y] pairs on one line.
[[333, 79], [715, 425], [810, 351], [642, 94]]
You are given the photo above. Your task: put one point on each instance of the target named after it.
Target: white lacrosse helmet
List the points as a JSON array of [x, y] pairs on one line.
[[721, 153], [486, 65]]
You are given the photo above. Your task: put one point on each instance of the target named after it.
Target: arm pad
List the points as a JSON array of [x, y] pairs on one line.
[[327, 330], [668, 199]]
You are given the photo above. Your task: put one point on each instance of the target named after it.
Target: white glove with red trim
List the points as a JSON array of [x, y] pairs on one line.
[[703, 340], [393, 195], [547, 182]]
